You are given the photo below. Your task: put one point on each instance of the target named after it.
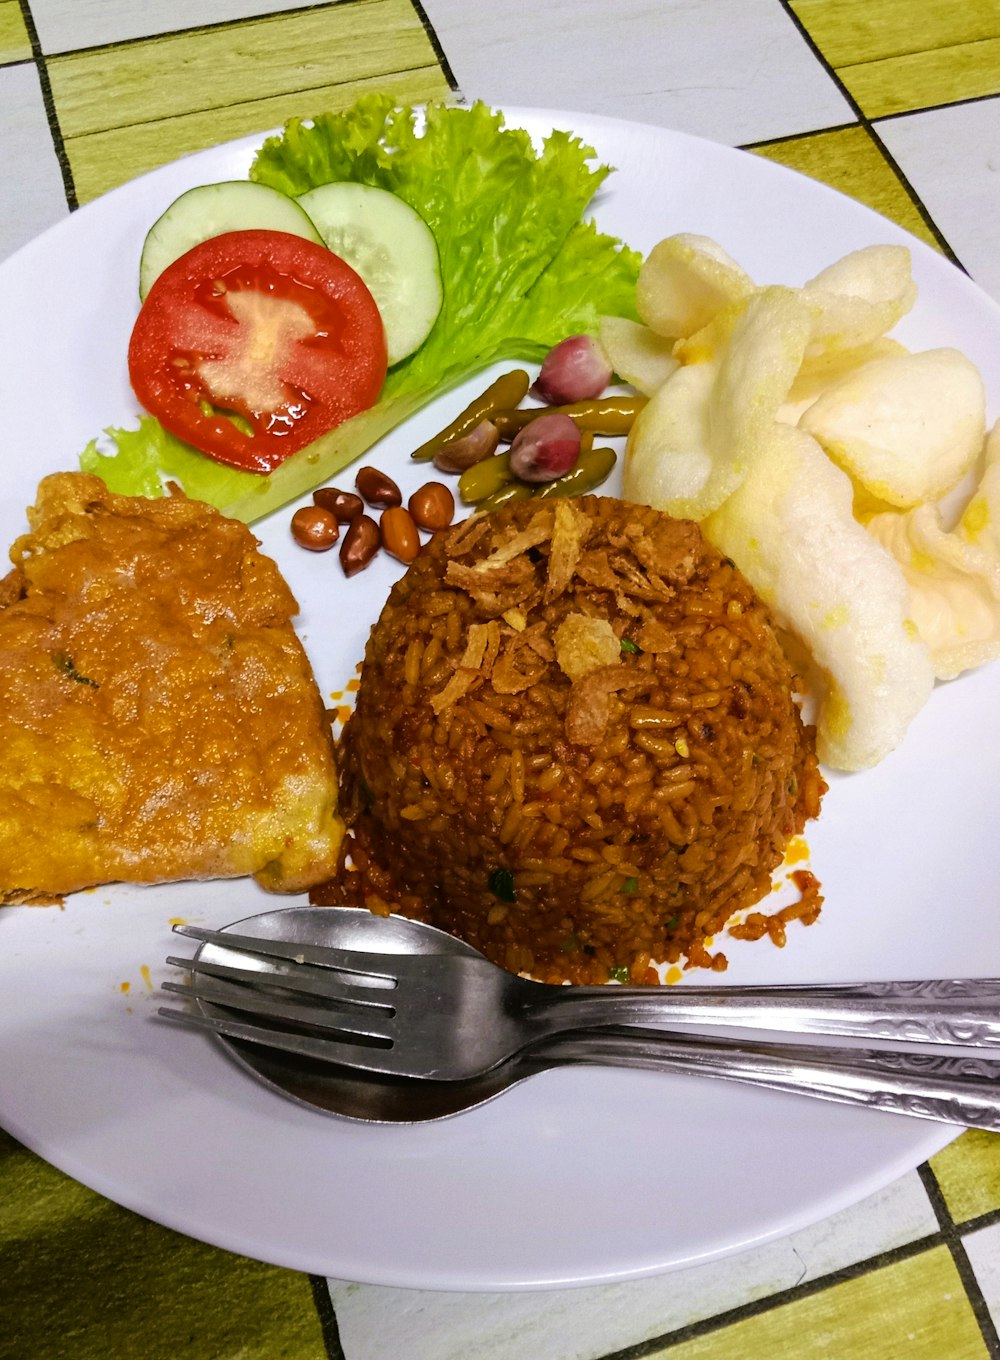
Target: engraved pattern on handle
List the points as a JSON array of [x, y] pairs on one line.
[[958, 1012], [962, 1090]]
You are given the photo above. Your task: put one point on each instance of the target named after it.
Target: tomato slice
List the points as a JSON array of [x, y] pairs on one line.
[[253, 344]]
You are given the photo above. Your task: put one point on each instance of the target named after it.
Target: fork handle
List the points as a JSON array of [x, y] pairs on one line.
[[962, 1012], [954, 1090]]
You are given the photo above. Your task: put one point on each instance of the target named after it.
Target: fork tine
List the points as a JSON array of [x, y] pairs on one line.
[[369, 1024], [368, 1058], [380, 967], [296, 978]]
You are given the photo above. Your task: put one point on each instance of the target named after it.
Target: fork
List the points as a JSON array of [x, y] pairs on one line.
[[455, 1016]]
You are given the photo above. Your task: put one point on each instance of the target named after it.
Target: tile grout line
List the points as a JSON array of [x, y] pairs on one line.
[[866, 123], [271, 16], [428, 28], [952, 1236], [772, 1302], [327, 1315], [918, 52], [165, 119], [436, 46], [51, 116], [797, 136], [987, 1220], [948, 1235], [936, 108]]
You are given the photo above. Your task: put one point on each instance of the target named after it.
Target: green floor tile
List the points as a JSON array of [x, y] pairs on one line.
[[215, 68], [968, 1172], [15, 44], [896, 55], [103, 160], [849, 32], [121, 114], [925, 80], [849, 159], [83, 1279], [916, 1308]]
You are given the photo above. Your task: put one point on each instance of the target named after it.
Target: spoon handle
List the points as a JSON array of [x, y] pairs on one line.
[[962, 1012], [955, 1090]]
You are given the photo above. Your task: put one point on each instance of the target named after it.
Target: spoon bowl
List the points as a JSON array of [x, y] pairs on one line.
[[352, 1094]]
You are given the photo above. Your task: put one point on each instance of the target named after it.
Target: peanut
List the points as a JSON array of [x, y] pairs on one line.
[[315, 528], [399, 534], [343, 504], [361, 542], [378, 490], [432, 506]]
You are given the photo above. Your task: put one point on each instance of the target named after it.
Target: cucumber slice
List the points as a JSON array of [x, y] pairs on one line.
[[212, 209], [393, 250]]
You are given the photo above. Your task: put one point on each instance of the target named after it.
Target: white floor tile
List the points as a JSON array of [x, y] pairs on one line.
[[734, 71], [983, 1248], [586, 1323], [952, 159], [31, 192], [67, 25]]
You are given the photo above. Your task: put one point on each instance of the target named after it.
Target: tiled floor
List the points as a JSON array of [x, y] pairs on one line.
[[895, 103], [902, 116]]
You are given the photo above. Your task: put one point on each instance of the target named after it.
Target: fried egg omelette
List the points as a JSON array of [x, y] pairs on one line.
[[159, 719]]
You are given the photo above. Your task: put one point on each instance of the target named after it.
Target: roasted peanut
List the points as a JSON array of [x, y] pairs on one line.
[[378, 490], [399, 534], [315, 528], [360, 544], [459, 454], [432, 506], [343, 504], [506, 391]]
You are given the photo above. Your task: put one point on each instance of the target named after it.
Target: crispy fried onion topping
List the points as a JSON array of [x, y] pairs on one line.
[[584, 644], [478, 661], [531, 567], [588, 711]]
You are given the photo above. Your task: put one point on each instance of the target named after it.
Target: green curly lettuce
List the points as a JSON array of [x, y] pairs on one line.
[[520, 270]]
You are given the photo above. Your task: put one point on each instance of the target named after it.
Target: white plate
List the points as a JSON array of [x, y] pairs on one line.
[[576, 1176]]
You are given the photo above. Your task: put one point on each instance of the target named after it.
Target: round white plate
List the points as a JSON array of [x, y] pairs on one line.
[[575, 1176]]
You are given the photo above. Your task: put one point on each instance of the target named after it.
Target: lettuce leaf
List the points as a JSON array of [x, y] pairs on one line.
[[143, 459], [520, 271]]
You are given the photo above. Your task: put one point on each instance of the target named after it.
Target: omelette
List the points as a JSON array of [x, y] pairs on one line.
[[159, 719]]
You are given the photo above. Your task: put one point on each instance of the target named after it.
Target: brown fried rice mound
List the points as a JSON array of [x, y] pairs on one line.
[[575, 745]]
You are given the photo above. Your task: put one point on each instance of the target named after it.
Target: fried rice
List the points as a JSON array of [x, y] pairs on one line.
[[576, 744]]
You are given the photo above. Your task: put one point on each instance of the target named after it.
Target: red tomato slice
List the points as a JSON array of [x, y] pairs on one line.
[[253, 344]]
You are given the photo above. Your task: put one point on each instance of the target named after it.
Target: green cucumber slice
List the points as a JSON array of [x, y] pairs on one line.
[[212, 209], [393, 250]]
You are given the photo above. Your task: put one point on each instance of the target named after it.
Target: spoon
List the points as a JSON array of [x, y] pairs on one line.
[[960, 1090], [369, 1097]]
